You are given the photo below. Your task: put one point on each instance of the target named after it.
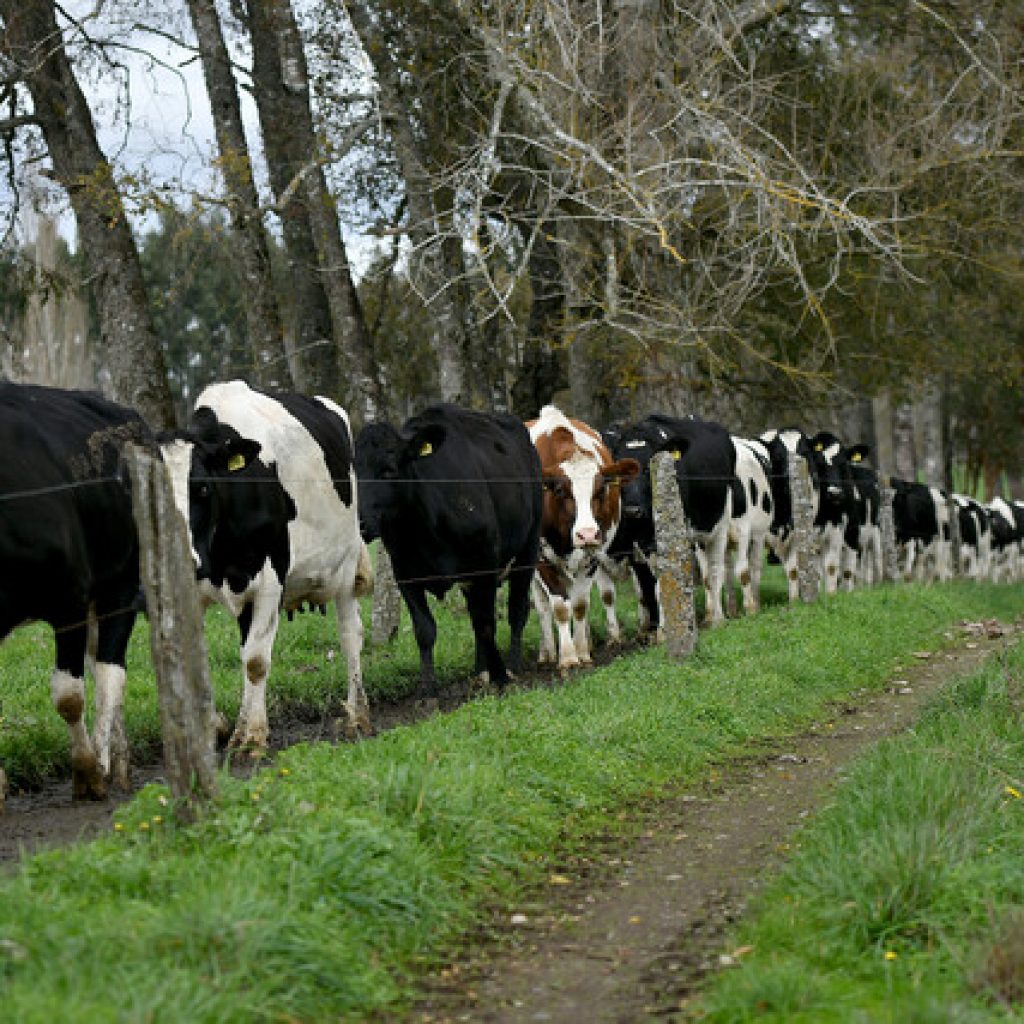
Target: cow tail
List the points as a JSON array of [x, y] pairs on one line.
[[363, 584]]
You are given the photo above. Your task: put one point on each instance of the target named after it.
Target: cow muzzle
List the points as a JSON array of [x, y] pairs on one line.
[[632, 511], [587, 537]]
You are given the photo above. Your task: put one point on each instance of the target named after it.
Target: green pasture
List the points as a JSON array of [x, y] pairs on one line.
[[322, 888]]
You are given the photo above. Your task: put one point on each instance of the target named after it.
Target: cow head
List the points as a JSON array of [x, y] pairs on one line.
[[384, 456], [233, 503], [583, 499], [826, 458]]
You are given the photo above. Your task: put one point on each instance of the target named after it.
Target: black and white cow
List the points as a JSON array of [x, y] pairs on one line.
[[69, 556], [455, 497], [1005, 560], [752, 514], [836, 509], [975, 538], [706, 473], [267, 485], [921, 518]]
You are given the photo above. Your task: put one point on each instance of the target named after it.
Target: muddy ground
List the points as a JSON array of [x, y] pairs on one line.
[[45, 816], [626, 932]]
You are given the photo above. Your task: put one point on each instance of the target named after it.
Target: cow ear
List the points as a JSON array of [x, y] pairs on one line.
[[858, 452], [235, 453], [621, 472], [675, 446], [425, 442]]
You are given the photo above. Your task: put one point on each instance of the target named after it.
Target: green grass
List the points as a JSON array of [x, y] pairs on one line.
[[318, 889], [905, 900]]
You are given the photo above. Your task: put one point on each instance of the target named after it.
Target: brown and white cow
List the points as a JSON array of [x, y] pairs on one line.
[[582, 506]]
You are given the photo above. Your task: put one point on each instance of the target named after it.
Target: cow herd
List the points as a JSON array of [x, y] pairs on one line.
[[280, 502]]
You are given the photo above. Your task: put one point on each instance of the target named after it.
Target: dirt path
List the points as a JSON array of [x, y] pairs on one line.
[[626, 933]]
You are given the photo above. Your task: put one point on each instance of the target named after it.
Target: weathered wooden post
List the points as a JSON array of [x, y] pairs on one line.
[[887, 527], [675, 569], [176, 634], [802, 495], [3, 789], [955, 539], [387, 601]]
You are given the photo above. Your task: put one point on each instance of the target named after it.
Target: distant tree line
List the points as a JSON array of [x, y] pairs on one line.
[[801, 210]]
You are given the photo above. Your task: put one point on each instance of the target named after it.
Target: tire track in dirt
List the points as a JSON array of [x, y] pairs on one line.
[[626, 932]]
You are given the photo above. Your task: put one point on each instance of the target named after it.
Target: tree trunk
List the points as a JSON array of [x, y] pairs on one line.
[[884, 456], [903, 441], [428, 262], [130, 347], [330, 329], [263, 319], [928, 432], [542, 369]]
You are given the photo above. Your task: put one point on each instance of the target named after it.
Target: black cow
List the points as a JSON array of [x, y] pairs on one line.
[[70, 556], [455, 497], [267, 486], [705, 471]]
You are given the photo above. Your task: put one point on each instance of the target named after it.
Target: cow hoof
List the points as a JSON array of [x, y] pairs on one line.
[[354, 724], [87, 782], [119, 775], [253, 743], [221, 728]]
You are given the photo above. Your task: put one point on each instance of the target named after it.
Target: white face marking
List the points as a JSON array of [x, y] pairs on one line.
[[830, 453], [582, 471], [636, 444]]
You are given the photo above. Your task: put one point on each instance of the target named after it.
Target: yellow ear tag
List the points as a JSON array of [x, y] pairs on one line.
[[676, 454], [427, 449], [236, 462], [856, 457], [819, 447]]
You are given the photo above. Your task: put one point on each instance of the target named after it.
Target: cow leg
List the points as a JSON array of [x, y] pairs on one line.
[[481, 595], [752, 585], [350, 632], [849, 566], [425, 630], [519, 583], [579, 599], [112, 635], [542, 603], [735, 566], [606, 588], [831, 545], [67, 687], [646, 585], [258, 627], [714, 576]]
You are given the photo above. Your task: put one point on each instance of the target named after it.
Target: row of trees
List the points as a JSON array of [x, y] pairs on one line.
[[725, 207]]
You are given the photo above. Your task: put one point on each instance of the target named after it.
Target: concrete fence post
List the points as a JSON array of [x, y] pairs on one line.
[[387, 601], [176, 635], [675, 560], [887, 527], [807, 562]]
